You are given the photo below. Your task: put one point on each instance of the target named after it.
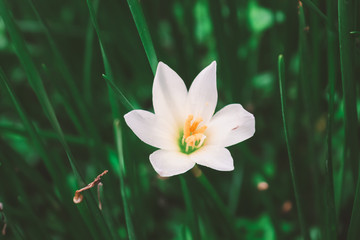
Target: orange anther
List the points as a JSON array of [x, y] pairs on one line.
[[192, 135], [188, 126], [195, 124], [200, 130]]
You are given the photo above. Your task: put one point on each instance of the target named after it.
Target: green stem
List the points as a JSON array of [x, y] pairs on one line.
[[119, 145], [294, 176], [144, 33], [193, 221]]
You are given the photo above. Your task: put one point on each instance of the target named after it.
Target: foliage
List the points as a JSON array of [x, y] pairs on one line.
[[70, 70]]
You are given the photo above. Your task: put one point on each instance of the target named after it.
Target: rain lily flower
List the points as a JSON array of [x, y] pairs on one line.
[[184, 126]]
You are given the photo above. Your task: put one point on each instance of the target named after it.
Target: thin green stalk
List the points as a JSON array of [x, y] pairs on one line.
[[332, 52], [193, 221], [332, 208], [53, 169], [34, 78], [71, 112], [115, 113], [346, 23], [88, 56], [119, 145], [127, 104], [313, 7], [294, 175], [35, 81], [22, 200], [222, 46], [346, 13], [306, 80], [212, 194], [235, 188], [64, 71], [144, 33], [46, 134]]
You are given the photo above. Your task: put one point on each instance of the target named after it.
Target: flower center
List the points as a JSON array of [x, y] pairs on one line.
[[193, 137]]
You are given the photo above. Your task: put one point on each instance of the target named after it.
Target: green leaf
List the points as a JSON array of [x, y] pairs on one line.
[[294, 173]]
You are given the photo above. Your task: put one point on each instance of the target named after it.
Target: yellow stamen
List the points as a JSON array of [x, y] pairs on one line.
[[193, 138], [192, 135], [200, 130], [188, 126], [195, 124]]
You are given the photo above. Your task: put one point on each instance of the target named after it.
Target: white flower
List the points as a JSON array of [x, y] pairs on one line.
[[184, 127]]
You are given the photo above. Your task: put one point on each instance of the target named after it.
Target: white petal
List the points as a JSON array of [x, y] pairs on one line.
[[229, 126], [202, 97], [169, 94], [214, 157], [151, 129], [170, 163]]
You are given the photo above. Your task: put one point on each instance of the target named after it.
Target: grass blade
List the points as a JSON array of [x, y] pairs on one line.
[[34, 78], [54, 170], [332, 209], [346, 12], [193, 221], [119, 93], [332, 63], [294, 175], [346, 24], [64, 70], [313, 7], [38, 86], [118, 138], [144, 33], [117, 129]]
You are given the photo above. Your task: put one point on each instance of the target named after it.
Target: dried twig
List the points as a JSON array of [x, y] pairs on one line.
[[79, 197]]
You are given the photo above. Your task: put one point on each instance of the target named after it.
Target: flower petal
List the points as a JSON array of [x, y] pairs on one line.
[[170, 163], [151, 129], [202, 97], [214, 157], [169, 94], [229, 126]]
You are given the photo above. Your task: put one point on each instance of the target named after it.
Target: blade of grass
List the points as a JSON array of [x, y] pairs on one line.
[[119, 145], [21, 196], [117, 130], [37, 85], [119, 94], [88, 56], [346, 18], [144, 33], [333, 200], [315, 8], [45, 134], [64, 70], [346, 24], [92, 10], [305, 68], [34, 77], [332, 64], [54, 170], [294, 174], [193, 221]]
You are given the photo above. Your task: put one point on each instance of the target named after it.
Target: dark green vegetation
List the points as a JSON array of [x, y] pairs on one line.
[[70, 70]]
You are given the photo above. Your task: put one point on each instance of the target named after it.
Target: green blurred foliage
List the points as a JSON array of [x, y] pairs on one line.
[[39, 175]]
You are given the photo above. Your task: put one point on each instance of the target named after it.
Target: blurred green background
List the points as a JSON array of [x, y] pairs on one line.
[[58, 127]]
